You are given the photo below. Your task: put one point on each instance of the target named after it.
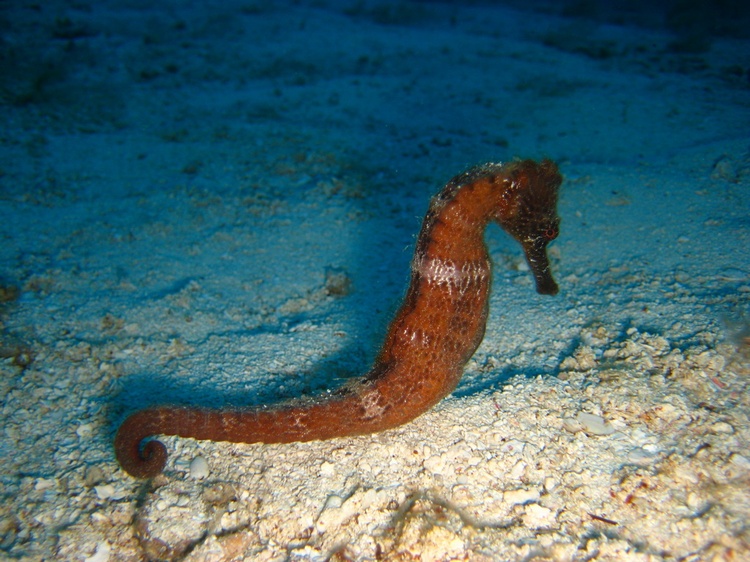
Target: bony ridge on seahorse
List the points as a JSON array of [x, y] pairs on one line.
[[437, 329]]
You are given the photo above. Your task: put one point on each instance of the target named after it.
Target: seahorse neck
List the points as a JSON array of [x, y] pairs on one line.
[[455, 223]]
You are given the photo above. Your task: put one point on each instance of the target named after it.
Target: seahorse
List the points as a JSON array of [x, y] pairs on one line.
[[434, 333]]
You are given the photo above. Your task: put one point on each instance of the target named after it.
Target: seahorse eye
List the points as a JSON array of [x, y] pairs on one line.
[[550, 233]]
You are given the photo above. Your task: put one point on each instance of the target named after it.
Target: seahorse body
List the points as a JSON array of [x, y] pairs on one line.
[[434, 333]]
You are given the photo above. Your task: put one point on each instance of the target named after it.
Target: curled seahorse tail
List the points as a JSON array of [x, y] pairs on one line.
[[139, 459]]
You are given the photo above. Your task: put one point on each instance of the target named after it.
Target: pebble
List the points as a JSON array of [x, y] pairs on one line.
[[85, 430], [539, 517], [435, 464], [641, 457], [199, 468], [740, 461], [333, 502], [595, 425], [518, 470], [722, 427], [105, 491], [522, 496], [103, 550], [685, 475], [340, 511], [572, 425], [94, 475], [109, 492], [327, 469], [45, 484], [514, 446]]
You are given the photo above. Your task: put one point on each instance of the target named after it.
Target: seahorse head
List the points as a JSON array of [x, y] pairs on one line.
[[531, 216]]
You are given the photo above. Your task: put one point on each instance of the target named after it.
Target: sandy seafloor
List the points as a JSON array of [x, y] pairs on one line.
[[215, 204]]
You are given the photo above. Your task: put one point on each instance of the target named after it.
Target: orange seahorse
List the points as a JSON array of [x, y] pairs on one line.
[[435, 332]]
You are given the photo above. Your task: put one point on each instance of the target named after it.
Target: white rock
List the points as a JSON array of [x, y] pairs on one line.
[[105, 491], [199, 468], [595, 425], [522, 496], [572, 425], [722, 427], [333, 502], [538, 517], [102, 553], [740, 462], [85, 429], [45, 484], [641, 457], [667, 412], [693, 501], [518, 470], [685, 475], [435, 464], [327, 469], [338, 513], [514, 446]]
